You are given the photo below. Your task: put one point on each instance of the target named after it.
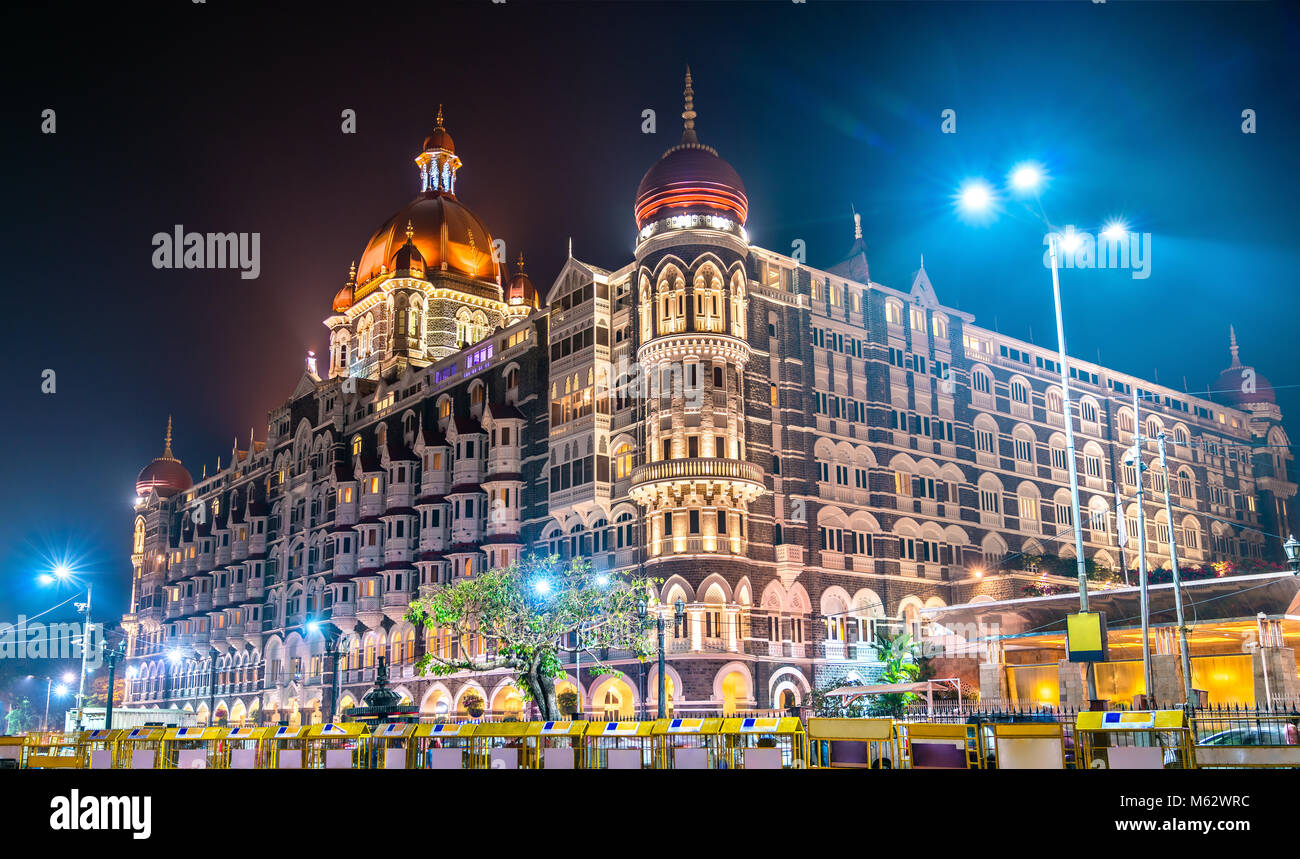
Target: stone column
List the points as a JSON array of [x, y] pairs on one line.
[[1074, 692], [994, 688]]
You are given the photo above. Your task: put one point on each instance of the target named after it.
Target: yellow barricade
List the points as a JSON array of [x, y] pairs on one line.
[[99, 748], [140, 749], [52, 750], [1027, 746], [764, 743], [502, 746], [560, 745], [930, 746], [688, 744], [444, 746], [246, 748], [193, 748], [620, 746], [853, 743], [286, 749], [11, 752], [1136, 739], [392, 746], [338, 746]]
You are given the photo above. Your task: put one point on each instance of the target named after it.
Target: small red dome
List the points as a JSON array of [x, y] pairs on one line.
[[165, 475], [343, 299], [1241, 386], [690, 179]]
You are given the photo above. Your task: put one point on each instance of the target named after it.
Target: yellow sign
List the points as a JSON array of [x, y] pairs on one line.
[[1085, 636]]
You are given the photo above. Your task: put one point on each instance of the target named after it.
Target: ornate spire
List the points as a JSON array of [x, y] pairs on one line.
[[167, 442], [1232, 346], [437, 160], [688, 113], [410, 230], [520, 263], [352, 274]]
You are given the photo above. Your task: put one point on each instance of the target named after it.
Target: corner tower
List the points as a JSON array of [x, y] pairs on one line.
[[694, 483]]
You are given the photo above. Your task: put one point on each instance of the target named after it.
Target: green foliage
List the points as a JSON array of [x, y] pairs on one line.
[[899, 654], [22, 717], [527, 613]]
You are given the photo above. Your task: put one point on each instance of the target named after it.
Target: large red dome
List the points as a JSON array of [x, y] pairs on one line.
[[444, 231]]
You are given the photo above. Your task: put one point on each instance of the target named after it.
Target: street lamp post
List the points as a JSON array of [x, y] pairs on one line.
[[1076, 512], [112, 654], [1183, 656], [1134, 457], [679, 611], [1292, 549]]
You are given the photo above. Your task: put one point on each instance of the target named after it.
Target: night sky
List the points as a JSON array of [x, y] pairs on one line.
[[228, 119]]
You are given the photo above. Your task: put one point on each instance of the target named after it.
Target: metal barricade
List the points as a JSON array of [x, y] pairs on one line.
[[392, 746], [52, 750], [99, 748], [11, 752], [836, 743], [246, 748], [929, 746], [1245, 740], [192, 748], [444, 746], [1027, 746], [140, 749], [502, 746], [620, 746], [1134, 739], [286, 749], [688, 744], [764, 743], [560, 745], [338, 746]]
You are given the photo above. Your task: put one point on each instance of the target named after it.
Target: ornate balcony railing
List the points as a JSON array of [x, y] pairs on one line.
[[697, 469]]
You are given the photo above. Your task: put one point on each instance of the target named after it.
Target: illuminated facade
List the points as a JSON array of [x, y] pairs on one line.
[[803, 456]]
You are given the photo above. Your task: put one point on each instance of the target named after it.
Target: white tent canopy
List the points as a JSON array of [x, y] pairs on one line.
[[849, 693]]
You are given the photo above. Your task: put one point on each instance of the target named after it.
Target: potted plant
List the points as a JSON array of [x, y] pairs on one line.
[[473, 704], [568, 701]]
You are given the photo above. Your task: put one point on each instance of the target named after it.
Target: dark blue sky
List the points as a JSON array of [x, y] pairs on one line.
[[228, 119]]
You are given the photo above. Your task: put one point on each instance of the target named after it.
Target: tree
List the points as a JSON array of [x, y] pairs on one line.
[[530, 612], [899, 654], [22, 717]]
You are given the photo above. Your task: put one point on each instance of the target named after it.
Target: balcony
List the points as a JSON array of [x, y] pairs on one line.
[[722, 545], [699, 469]]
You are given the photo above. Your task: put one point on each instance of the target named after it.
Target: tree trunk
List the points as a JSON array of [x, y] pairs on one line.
[[542, 688]]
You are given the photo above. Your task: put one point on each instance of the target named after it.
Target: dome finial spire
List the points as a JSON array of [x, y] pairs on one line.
[[520, 264], [410, 229], [688, 113], [1232, 346], [167, 440], [438, 121]]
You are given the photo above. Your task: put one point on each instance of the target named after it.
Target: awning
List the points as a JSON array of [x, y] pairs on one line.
[[1231, 598]]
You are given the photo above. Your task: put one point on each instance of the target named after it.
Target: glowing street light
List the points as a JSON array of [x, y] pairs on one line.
[[975, 197], [1027, 177], [63, 572], [1115, 230], [542, 587]]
